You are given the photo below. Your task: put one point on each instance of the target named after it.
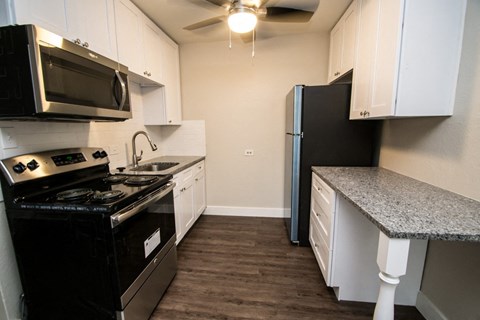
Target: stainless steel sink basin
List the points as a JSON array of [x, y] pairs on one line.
[[155, 166]]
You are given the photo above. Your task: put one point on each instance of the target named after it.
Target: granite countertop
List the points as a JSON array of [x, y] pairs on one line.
[[183, 163], [402, 207]]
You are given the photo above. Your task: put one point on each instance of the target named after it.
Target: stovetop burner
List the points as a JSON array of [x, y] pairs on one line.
[[106, 196], [141, 181], [74, 194], [115, 179]]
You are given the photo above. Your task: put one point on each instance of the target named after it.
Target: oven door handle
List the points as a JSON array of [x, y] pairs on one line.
[[137, 207]]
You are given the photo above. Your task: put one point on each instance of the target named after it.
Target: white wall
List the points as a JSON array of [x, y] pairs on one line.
[[446, 152], [242, 101]]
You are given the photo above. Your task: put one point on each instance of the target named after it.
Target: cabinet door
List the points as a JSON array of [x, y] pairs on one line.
[[171, 69], [48, 14], [177, 202], [99, 22], [336, 38], [152, 50], [200, 194], [377, 59], [92, 24], [129, 35], [188, 201], [349, 36]]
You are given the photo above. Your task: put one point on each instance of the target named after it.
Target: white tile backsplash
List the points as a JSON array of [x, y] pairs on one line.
[[187, 139]]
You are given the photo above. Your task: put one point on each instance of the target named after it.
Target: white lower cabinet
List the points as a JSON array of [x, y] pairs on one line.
[[322, 209], [189, 198], [200, 189], [345, 244]]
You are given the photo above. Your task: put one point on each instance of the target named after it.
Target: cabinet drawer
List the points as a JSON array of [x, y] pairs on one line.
[[323, 194], [182, 179], [198, 167], [320, 250], [323, 220]]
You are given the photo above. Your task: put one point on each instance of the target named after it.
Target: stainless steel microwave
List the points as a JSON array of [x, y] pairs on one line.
[[46, 77]]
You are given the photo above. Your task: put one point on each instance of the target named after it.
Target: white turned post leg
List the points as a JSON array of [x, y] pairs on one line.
[[392, 258]]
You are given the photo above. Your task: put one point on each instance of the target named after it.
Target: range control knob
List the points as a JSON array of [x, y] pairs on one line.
[[32, 165], [103, 154], [96, 154], [19, 167]]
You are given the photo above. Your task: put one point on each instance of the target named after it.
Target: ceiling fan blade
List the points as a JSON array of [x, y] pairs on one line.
[[204, 23], [283, 14], [220, 3]]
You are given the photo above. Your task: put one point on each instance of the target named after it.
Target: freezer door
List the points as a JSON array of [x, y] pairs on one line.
[[293, 121], [292, 160]]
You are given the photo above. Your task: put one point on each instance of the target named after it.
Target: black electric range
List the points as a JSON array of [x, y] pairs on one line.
[[89, 245]]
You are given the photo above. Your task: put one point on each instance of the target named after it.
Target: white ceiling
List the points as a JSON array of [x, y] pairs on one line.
[[173, 15]]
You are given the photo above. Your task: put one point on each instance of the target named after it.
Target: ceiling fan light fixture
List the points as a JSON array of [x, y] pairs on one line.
[[242, 20]]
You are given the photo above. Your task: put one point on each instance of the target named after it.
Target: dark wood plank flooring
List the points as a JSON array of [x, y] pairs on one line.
[[245, 268]]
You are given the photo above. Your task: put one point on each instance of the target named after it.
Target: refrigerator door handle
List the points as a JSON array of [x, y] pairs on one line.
[[295, 134]]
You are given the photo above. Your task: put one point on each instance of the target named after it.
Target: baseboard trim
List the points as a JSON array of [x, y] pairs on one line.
[[245, 212], [428, 309]]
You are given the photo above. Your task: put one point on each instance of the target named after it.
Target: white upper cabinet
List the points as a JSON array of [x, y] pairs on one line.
[[152, 51], [171, 67], [139, 45], [342, 44], [407, 58], [153, 60], [92, 25], [89, 23], [48, 14], [128, 23]]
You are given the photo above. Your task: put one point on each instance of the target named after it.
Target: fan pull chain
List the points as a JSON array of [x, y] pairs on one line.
[[230, 38], [253, 43]]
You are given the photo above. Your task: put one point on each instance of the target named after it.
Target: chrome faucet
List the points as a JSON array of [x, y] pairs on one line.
[[136, 158]]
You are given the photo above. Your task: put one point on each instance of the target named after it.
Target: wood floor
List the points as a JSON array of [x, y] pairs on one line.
[[245, 268]]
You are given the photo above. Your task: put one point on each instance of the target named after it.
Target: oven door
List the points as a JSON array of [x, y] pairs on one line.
[[142, 234]]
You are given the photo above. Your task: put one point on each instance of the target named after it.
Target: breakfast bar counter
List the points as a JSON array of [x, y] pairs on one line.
[[402, 209]]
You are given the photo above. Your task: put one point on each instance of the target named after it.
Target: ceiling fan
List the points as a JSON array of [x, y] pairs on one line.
[[242, 15]]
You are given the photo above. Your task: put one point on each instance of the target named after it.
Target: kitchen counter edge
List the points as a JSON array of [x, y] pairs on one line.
[[184, 162], [405, 208]]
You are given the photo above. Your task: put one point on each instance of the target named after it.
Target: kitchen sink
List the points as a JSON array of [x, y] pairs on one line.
[[155, 166]]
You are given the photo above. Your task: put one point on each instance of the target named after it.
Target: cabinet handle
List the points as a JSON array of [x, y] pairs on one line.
[[196, 179], [149, 74], [169, 121], [85, 44], [336, 73], [145, 73], [367, 114], [77, 41], [361, 113]]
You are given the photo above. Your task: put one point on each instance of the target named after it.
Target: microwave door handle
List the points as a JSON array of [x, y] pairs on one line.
[[124, 90], [136, 208]]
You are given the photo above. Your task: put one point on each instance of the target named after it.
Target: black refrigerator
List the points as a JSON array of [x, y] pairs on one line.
[[319, 133]]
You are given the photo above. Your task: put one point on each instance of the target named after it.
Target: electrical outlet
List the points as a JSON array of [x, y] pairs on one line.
[[8, 138], [114, 149], [249, 152]]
